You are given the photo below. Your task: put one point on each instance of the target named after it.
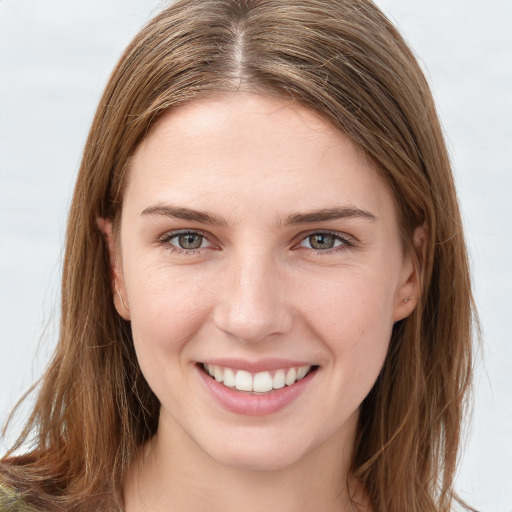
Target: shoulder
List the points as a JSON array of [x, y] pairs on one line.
[[11, 500]]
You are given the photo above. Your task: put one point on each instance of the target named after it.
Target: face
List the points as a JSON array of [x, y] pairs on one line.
[[260, 264]]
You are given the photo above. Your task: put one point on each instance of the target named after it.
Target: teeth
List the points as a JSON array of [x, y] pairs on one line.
[[243, 381], [218, 374], [278, 380], [301, 372], [261, 382], [290, 376], [229, 378]]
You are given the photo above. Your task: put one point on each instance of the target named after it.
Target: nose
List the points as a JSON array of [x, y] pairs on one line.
[[253, 304]]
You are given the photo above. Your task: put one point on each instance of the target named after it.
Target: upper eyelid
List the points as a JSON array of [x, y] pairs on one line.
[[338, 234], [175, 232], [166, 238]]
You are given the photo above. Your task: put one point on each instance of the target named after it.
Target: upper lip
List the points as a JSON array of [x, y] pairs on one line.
[[260, 365]]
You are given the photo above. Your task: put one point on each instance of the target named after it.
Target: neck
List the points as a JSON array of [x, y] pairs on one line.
[[174, 474]]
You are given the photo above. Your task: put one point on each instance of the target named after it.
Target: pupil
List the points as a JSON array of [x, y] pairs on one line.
[[190, 241], [321, 241]]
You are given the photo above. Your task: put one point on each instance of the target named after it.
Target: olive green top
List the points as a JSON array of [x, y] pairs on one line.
[[11, 501]]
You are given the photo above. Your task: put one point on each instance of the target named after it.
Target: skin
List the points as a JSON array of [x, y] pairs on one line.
[[256, 288]]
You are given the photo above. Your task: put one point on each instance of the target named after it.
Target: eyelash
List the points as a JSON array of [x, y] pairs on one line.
[[346, 242], [165, 241]]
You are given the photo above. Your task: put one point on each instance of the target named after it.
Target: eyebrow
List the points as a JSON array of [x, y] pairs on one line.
[[328, 214], [179, 212], [325, 214]]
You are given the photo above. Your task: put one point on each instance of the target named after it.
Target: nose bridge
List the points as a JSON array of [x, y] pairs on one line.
[[253, 304]]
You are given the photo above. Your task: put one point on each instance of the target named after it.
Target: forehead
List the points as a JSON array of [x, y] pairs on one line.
[[246, 150]]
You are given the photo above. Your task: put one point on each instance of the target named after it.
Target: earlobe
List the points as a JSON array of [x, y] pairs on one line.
[[410, 290], [117, 279]]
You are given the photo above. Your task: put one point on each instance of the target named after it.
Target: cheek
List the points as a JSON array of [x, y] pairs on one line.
[[353, 317], [167, 309], [351, 306]]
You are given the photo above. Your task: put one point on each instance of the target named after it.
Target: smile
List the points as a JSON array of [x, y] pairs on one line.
[[261, 382], [255, 393]]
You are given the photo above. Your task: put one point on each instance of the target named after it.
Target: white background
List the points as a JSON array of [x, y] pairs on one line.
[[55, 58]]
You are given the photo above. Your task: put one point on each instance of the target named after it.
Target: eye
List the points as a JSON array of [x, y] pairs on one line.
[[186, 241], [325, 241]]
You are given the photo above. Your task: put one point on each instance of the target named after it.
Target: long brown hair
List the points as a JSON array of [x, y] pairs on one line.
[[343, 59]]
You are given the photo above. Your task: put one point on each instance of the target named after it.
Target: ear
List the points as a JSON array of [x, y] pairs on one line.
[[409, 290], [117, 279]]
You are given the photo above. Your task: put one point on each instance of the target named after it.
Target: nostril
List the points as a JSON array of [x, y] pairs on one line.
[[252, 324]]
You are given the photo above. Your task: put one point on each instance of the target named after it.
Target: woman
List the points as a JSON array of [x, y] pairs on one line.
[[265, 297]]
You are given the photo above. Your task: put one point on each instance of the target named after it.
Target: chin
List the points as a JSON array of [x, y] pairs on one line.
[[256, 458], [268, 449]]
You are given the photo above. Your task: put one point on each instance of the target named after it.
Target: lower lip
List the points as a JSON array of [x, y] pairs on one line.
[[247, 404]]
